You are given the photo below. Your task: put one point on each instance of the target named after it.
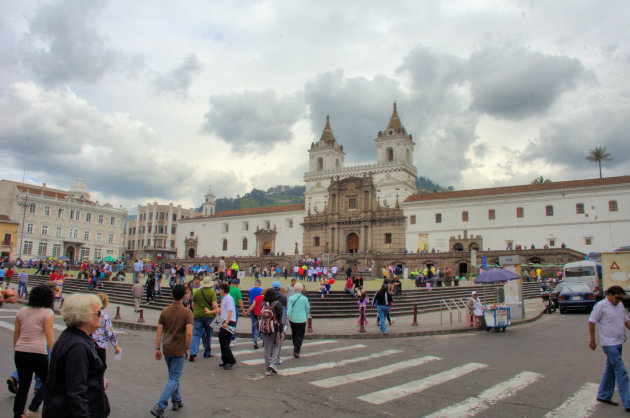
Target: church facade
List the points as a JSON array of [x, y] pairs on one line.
[[375, 209]]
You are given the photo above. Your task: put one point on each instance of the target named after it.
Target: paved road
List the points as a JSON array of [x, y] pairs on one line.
[[534, 370]]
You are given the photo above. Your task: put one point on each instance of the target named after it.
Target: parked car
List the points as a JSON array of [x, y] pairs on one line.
[[575, 296]]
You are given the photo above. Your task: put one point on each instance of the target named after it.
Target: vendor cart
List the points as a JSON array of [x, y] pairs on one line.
[[497, 318]]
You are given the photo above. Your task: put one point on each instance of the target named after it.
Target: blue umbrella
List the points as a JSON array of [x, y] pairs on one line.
[[496, 275]]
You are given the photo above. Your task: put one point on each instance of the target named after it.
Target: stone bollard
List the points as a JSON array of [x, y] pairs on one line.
[[362, 320], [415, 315], [117, 313], [141, 319], [309, 326]]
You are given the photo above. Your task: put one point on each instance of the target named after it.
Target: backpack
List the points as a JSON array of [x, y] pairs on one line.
[[267, 321]]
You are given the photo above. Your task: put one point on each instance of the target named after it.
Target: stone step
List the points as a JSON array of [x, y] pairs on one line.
[[336, 305]]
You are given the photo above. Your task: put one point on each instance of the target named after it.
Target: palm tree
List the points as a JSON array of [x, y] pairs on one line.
[[541, 179], [599, 154]]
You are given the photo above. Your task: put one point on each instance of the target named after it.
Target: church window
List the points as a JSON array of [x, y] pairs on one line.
[[438, 218], [352, 203], [245, 226], [520, 213], [192, 233], [225, 244], [612, 206], [549, 210], [491, 214], [388, 238], [316, 241], [320, 164], [588, 241], [412, 219], [390, 154], [290, 223], [465, 216], [226, 227], [579, 208], [244, 243]]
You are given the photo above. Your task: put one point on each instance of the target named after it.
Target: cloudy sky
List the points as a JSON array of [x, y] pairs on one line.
[[159, 100]]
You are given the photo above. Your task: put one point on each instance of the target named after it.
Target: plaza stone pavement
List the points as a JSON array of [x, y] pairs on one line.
[[429, 323]]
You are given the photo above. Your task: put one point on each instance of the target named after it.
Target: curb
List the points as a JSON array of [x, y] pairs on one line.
[[354, 336]]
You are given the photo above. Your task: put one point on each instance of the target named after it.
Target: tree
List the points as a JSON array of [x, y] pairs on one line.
[[599, 154], [541, 179]]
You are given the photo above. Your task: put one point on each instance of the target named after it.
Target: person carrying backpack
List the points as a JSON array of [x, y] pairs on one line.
[[270, 329]]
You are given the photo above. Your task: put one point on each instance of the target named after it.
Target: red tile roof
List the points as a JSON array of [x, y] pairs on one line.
[[6, 219], [526, 188], [253, 211]]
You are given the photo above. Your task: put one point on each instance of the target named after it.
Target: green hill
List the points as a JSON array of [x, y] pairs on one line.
[[287, 195]]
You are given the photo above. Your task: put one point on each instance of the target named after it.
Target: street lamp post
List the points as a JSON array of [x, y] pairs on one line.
[[22, 203]]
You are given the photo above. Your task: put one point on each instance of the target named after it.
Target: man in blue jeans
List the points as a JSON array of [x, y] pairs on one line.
[[205, 309], [611, 318], [253, 292], [174, 334]]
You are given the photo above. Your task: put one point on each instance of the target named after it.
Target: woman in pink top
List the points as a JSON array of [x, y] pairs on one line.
[[33, 331]]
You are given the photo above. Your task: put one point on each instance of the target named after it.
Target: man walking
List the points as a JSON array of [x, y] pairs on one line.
[[174, 334], [237, 296], [137, 269], [611, 318], [203, 298], [228, 327], [253, 292]]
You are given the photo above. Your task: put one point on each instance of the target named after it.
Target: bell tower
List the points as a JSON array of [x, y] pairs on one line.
[[394, 145], [325, 154], [208, 206]]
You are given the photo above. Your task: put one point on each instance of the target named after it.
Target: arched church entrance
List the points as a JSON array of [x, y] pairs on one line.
[[191, 253], [266, 248], [352, 243], [70, 252], [463, 269]]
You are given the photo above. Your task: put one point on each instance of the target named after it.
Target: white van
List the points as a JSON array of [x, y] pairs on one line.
[[587, 272]]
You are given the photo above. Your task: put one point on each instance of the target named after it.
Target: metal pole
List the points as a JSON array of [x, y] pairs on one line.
[[23, 204], [141, 319], [415, 315], [362, 319]]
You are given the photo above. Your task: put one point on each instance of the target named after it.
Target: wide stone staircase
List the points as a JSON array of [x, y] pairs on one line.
[[335, 305]]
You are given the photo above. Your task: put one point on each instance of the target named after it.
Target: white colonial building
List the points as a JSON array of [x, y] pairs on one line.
[[151, 234], [56, 223], [585, 215], [242, 232]]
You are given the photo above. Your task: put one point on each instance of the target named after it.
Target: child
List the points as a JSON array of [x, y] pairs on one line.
[[363, 300]]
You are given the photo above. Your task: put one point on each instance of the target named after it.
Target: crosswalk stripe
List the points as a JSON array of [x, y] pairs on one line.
[[316, 353], [8, 310], [286, 346], [580, 404], [487, 398], [321, 366], [369, 374], [7, 317], [416, 386]]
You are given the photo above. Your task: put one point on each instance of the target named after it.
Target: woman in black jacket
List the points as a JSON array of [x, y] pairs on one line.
[[75, 385], [381, 301]]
